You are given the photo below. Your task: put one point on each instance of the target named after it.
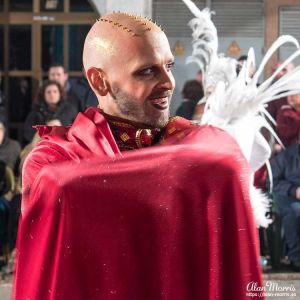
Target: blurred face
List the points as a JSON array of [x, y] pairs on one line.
[[285, 70], [2, 133], [199, 77], [58, 74], [294, 101], [141, 82], [52, 95]]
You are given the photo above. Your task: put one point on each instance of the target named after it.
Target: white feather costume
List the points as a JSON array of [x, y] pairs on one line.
[[236, 103]]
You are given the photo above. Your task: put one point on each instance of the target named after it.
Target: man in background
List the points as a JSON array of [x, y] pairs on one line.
[[58, 73]]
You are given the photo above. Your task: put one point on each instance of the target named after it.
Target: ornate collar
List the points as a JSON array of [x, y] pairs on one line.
[[131, 135]]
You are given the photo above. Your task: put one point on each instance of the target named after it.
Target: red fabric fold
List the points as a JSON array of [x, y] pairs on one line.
[[166, 222]]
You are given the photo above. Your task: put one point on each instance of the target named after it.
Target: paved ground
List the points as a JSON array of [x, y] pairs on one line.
[[274, 280]]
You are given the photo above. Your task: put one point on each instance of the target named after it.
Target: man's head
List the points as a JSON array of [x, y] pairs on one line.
[[240, 63], [192, 90], [290, 66], [128, 64], [199, 76], [57, 73]]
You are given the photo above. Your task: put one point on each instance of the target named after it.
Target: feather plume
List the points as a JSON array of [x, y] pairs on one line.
[[205, 39], [236, 104]]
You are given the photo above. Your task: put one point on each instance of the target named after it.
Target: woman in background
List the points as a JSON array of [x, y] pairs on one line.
[[192, 93], [49, 105]]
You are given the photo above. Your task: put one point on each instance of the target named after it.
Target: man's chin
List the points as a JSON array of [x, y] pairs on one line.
[[158, 122]]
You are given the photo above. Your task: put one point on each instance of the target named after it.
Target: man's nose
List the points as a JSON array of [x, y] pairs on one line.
[[167, 80]]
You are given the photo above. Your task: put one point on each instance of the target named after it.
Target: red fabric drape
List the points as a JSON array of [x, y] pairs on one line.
[[167, 222]]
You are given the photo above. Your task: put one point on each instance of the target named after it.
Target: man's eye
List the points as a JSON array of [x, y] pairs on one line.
[[145, 72], [170, 66]]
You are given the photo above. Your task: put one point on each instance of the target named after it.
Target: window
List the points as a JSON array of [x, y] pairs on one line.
[[20, 47]]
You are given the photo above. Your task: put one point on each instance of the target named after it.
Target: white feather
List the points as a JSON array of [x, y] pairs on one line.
[[237, 104], [260, 206], [205, 39], [278, 43]]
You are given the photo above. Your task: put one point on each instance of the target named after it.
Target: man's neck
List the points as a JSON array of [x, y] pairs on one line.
[[131, 135]]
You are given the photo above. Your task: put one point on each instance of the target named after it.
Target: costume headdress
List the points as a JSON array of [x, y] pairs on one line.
[[237, 103]]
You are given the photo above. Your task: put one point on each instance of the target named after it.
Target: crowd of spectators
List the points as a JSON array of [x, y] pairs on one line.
[[57, 102]]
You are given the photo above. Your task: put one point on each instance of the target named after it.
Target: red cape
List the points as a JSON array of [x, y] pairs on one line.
[[168, 222]]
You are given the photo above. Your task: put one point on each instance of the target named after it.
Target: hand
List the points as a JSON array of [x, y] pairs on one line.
[[298, 193]]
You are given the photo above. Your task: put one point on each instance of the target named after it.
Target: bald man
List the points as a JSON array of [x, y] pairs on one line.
[[145, 95], [107, 216]]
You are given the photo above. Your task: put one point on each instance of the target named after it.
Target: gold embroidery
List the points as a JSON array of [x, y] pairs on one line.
[[121, 124], [124, 137], [171, 130]]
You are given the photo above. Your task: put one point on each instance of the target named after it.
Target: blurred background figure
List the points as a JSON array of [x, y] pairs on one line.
[[286, 180], [241, 60], [288, 121], [58, 73], [50, 104], [9, 148], [85, 94], [199, 77], [274, 106], [4, 216], [192, 93]]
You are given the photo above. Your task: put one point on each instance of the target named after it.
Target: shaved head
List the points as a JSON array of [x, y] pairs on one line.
[[110, 34], [128, 62]]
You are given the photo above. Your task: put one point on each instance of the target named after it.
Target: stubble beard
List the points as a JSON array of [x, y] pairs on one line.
[[134, 110]]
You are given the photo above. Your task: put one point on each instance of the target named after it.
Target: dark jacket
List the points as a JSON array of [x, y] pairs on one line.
[[187, 109], [81, 88], [40, 114], [286, 172]]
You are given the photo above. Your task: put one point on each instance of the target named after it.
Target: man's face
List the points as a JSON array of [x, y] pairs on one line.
[[58, 74], [285, 70], [141, 81]]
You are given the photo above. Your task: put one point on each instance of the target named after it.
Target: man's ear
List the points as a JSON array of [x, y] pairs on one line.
[[96, 78]]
